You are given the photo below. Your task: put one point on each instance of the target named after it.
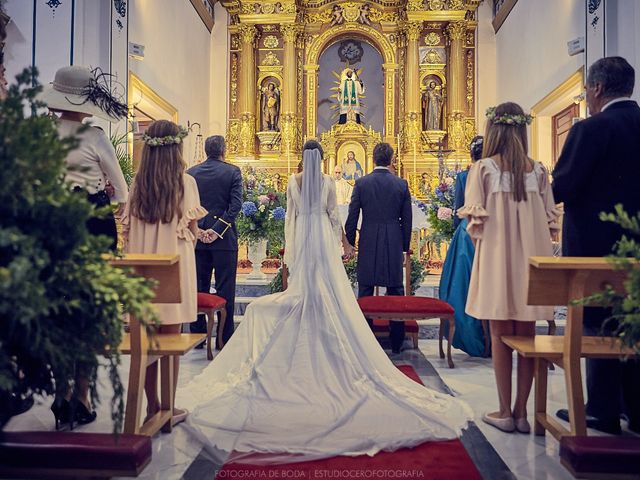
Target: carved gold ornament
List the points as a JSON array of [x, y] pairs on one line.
[[432, 56], [271, 41], [436, 4], [456, 5], [268, 8], [457, 30], [432, 39], [270, 59]]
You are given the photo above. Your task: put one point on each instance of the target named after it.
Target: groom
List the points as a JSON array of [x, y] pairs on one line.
[[385, 233]]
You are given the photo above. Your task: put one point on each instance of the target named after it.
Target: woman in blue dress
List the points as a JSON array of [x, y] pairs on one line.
[[470, 336]]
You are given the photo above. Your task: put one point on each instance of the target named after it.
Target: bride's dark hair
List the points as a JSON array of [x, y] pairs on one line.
[[313, 145]]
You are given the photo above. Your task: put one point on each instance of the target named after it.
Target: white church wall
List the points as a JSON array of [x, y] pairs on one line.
[[623, 34], [531, 48], [219, 73], [486, 65], [177, 58]]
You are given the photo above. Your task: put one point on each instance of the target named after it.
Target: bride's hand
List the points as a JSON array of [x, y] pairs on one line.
[[349, 250]]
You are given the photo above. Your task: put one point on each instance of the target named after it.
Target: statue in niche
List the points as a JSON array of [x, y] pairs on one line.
[[432, 102], [336, 15], [271, 107], [351, 89]]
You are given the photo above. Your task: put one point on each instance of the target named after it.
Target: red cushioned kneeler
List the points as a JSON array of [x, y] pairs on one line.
[[601, 456], [40, 454]]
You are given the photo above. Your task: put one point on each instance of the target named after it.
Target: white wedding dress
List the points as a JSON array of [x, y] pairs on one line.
[[303, 374]]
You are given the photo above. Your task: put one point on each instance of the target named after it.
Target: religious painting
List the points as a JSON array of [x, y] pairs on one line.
[[352, 158]]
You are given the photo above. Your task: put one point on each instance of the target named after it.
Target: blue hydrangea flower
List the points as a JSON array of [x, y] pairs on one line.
[[249, 209], [279, 213]]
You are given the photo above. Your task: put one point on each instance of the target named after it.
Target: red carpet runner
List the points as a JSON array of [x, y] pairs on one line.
[[432, 461]]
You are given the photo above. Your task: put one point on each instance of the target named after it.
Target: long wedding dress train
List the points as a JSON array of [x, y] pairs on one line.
[[303, 374]]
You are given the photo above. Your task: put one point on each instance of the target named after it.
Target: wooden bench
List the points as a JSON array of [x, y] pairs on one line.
[[557, 281], [145, 350]]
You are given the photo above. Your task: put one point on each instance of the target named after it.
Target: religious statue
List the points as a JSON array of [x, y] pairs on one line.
[[432, 102], [351, 88], [351, 168], [365, 11], [271, 107], [336, 15], [343, 187]]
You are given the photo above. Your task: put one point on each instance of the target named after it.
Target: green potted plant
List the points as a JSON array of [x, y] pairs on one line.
[[61, 302], [625, 306]]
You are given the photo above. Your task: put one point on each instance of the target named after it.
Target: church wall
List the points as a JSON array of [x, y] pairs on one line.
[[219, 73], [177, 59], [623, 34], [531, 49], [486, 65]]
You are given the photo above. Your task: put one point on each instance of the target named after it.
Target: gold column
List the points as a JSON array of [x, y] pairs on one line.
[[311, 72], [457, 85], [412, 88], [390, 70], [247, 89], [289, 118]]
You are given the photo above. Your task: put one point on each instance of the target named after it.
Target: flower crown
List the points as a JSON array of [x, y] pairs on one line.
[[168, 140], [507, 118]]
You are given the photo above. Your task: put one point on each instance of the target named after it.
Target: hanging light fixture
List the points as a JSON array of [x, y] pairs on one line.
[[198, 149]]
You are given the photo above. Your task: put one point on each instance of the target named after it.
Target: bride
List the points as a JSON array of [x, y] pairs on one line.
[[303, 375]]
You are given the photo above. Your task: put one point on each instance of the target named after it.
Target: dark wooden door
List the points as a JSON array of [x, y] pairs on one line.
[[560, 125]]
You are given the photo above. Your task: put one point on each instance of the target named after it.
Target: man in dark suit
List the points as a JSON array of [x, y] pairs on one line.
[[220, 187], [385, 233], [599, 167]]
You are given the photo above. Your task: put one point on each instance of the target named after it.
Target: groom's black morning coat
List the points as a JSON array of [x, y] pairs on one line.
[[385, 233]]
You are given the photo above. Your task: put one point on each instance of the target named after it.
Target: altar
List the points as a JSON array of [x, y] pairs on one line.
[[351, 74]]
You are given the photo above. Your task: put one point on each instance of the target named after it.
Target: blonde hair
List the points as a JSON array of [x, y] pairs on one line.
[[510, 142], [158, 188]]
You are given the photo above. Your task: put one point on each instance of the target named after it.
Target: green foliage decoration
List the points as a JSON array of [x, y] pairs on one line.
[[121, 146], [61, 302], [625, 306]]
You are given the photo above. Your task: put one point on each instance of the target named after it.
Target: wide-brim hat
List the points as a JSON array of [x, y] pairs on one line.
[[80, 89]]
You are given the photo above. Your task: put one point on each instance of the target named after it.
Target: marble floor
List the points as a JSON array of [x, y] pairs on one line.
[[525, 456]]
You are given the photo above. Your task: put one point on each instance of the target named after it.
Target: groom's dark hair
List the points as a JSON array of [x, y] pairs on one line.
[[313, 145], [382, 154]]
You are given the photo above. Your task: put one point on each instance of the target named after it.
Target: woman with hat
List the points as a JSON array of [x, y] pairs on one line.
[[78, 93]]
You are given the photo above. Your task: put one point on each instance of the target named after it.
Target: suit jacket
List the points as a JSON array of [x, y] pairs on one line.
[[598, 168], [220, 187], [385, 232]]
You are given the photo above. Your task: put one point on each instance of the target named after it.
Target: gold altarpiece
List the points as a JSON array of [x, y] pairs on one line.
[[426, 46]]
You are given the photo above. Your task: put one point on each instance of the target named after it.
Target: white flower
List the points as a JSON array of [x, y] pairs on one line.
[[262, 208]]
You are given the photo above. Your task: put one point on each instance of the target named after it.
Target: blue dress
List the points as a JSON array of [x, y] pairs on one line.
[[454, 282]]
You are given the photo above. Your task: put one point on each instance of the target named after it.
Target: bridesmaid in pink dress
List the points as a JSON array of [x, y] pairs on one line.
[[512, 216], [161, 217]]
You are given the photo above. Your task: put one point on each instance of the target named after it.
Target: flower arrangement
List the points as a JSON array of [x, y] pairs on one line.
[[439, 209], [418, 272], [262, 213], [508, 119]]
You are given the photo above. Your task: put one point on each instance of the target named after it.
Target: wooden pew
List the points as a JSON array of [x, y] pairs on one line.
[[165, 269], [558, 281]]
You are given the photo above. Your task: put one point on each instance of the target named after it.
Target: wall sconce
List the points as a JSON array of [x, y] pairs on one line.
[[198, 150], [579, 98]]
